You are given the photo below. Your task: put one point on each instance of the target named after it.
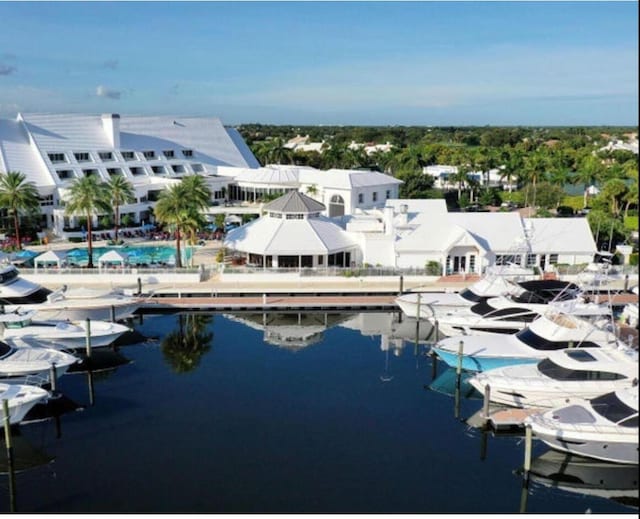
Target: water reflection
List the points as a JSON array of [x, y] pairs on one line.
[[184, 348], [586, 476], [449, 383], [291, 330]]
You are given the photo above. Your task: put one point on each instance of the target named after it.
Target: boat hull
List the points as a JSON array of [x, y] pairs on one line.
[[611, 451], [480, 363]]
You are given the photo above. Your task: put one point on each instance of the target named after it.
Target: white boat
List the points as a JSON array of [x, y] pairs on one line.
[[22, 363], [17, 293], [20, 400], [70, 334], [586, 476], [603, 427], [554, 330], [564, 376], [512, 312], [431, 304]]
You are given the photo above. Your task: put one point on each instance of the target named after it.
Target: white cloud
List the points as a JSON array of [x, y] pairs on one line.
[[103, 91]]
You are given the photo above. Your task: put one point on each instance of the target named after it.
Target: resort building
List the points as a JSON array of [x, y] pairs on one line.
[[407, 234]]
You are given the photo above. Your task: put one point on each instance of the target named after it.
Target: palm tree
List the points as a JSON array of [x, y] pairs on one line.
[[16, 195], [184, 348], [120, 192], [180, 206], [88, 196]]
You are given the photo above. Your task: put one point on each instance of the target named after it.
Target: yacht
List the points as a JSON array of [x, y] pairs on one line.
[[78, 303], [70, 334], [555, 330], [604, 427], [586, 476], [565, 375], [512, 312], [20, 399], [23, 363]]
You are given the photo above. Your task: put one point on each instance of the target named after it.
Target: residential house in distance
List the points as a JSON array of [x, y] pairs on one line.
[[444, 177]]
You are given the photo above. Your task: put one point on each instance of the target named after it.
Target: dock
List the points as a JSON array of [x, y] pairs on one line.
[[502, 419]]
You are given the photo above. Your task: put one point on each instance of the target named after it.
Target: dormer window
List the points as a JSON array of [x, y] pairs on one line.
[[158, 170], [105, 156], [197, 168], [149, 155], [178, 168], [82, 157], [137, 171], [187, 153], [57, 157], [90, 172], [65, 174], [169, 154], [128, 155], [114, 172]]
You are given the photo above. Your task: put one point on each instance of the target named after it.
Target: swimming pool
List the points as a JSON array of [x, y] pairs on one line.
[[141, 255]]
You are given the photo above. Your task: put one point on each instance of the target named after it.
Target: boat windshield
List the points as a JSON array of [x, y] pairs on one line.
[[552, 370], [4, 349], [615, 410], [471, 296], [37, 297], [8, 275], [533, 340], [484, 309]]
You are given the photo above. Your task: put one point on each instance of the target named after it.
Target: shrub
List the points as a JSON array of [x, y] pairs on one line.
[[434, 268], [633, 259]]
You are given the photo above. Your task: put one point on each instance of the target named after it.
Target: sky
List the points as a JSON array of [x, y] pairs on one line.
[[347, 63]]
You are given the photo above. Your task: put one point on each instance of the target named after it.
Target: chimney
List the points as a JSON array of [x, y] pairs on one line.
[[111, 126], [388, 220]]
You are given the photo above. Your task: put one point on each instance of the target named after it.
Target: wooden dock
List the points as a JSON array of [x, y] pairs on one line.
[[502, 419], [269, 303]]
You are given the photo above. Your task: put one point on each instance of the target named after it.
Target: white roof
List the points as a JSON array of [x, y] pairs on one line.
[[499, 231], [560, 235], [51, 256], [268, 175], [114, 256], [345, 178], [278, 236]]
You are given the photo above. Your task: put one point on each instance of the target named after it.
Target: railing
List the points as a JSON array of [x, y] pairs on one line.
[[327, 271], [110, 270]]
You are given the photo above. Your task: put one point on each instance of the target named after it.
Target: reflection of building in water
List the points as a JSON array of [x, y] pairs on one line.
[[290, 330], [393, 326]]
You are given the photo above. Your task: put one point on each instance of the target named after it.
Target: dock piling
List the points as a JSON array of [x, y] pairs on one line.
[[53, 378], [401, 285], [459, 365], [88, 338], [139, 286], [485, 403], [113, 314], [528, 441], [6, 421]]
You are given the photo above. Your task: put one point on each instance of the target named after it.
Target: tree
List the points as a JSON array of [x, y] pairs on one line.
[[88, 196], [589, 169], [549, 195], [183, 348], [179, 207], [18, 195], [614, 191], [120, 192]]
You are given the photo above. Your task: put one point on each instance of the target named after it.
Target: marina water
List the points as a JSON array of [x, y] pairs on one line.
[[286, 413]]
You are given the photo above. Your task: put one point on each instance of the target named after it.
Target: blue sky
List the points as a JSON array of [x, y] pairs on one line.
[[363, 63]]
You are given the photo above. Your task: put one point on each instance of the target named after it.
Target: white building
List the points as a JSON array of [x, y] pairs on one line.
[[444, 177]]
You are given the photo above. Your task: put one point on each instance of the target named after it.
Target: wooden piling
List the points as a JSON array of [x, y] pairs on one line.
[[88, 338], [459, 365], [401, 285], [139, 286], [113, 314], [6, 420], [437, 330], [528, 443], [53, 378], [485, 403]]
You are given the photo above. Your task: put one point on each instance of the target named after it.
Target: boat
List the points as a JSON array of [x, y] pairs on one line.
[[70, 334], [512, 312], [565, 375], [20, 399], [555, 330], [604, 427], [586, 476], [23, 363], [431, 304], [17, 293]]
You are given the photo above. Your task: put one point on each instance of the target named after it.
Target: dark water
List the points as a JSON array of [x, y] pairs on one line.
[[217, 420]]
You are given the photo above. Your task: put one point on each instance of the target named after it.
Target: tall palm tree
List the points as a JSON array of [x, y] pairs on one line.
[[199, 192], [88, 196], [120, 192], [16, 195]]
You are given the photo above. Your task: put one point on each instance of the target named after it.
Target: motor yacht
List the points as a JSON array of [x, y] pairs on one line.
[[604, 427], [555, 330], [70, 334], [564, 376], [17, 293], [20, 398], [24, 363]]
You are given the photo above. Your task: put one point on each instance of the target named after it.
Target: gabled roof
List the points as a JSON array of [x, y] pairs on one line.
[[560, 235], [295, 202], [346, 178]]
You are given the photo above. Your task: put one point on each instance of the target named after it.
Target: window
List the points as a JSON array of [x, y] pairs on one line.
[[113, 172], [178, 168], [388, 194], [46, 200], [295, 217], [158, 170], [553, 259], [65, 174], [187, 153], [82, 157], [531, 260], [128, 155], [105, 155], [168, 154], [197, 168], [90, 172], [360, 198], [137, 171], [57, 157], [375, 196], [149, 155]]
